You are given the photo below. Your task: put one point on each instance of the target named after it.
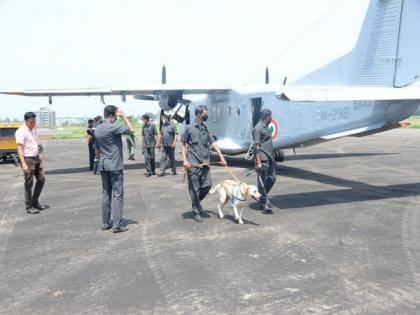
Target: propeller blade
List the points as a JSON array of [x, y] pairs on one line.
[[163, 79], [160, 118], [267, 76]]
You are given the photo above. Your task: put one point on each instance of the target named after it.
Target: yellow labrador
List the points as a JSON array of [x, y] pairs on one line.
[[237, 193]]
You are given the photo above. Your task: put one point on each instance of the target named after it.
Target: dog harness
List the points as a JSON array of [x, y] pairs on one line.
[[235, 195]]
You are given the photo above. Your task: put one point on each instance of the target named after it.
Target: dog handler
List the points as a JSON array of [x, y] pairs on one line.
[[264, 159], [196, 147]]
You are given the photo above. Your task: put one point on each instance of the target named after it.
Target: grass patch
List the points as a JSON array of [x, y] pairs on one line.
[[414, 122]]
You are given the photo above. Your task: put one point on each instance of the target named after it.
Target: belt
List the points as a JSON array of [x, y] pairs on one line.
[[32, 157]]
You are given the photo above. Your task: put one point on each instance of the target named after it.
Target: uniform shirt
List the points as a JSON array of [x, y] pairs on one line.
[[198, 138], [149, 132], [262, 136], [108, 140], [28, 138], [168, 132]]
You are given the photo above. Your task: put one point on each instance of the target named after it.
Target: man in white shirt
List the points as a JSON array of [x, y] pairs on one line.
[[31, 163]]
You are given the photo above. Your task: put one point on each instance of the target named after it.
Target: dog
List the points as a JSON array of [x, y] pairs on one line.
[[237, 193]]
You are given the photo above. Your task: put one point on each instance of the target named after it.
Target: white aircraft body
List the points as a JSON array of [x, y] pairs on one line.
[[367, 91]]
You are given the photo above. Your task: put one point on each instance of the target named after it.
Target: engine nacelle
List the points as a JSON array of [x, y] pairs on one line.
[[167, 102]]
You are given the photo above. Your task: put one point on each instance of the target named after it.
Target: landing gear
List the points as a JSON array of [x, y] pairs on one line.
[[279, 155]]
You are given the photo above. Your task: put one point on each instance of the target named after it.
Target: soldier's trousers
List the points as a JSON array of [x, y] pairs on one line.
[[91, 156], [34, 169], [131, 145], [149, 159], [168, 153], [199, 184], [268, 178], [112, 198]]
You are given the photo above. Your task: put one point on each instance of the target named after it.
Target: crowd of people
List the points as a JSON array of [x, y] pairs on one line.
[[104, 138]]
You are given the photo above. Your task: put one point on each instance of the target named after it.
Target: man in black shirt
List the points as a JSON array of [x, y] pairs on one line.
[[264, 159], [196, 147], [167, 139], [148, 145]]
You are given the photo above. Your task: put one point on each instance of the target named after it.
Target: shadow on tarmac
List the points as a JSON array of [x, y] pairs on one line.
[[206, 214], [353, 191], [77, 170]]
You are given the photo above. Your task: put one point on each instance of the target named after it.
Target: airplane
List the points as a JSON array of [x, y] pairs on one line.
[[366, 91]]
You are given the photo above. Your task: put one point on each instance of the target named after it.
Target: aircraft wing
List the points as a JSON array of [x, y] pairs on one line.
[[147, 90], [331, 93]]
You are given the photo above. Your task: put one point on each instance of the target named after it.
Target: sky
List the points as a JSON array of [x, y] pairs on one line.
[[47, 44]]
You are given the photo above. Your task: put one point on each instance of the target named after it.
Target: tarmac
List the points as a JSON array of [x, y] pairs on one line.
[[343, 239]]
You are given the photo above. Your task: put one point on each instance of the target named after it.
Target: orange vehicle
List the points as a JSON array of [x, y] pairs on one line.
[[8, 147]]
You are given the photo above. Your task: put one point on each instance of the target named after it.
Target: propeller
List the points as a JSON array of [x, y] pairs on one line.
[[267, 76], [163, 81], [163, 77]]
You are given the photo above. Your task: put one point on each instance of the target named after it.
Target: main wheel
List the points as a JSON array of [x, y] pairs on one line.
[[279, 155]]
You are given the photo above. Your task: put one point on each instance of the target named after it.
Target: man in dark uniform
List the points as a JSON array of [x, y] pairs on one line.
[[148, 145], [89, 132], [196, 147], [96, 122], [264, 159], [167, 139], [109, 143]]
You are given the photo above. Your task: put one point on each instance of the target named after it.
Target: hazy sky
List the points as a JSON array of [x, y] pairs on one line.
[[107, 43]]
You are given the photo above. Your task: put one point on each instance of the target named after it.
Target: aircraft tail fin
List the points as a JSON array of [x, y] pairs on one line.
[[386, 52]]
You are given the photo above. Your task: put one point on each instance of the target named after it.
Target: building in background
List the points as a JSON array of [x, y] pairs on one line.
[[45, 117], [71, 121]]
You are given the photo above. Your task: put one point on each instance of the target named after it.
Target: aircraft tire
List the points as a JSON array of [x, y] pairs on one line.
[[279, 155]]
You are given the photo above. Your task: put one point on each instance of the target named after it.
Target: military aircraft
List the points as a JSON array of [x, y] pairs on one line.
[[366, 91]]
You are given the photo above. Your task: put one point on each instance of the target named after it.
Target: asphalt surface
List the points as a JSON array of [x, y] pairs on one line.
[[343, 239]]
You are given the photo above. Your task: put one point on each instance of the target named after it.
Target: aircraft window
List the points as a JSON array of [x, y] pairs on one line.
[[229, 110], [238, 111]]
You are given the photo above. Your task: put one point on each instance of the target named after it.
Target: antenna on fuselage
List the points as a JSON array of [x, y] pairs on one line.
[[267, 76]]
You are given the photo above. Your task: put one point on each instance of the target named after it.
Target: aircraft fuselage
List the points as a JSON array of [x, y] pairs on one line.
[[233, 114]]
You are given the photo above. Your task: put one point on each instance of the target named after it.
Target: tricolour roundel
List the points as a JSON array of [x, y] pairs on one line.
[[273, 127]]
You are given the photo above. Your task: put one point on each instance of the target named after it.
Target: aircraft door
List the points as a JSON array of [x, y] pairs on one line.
[[256, 105]]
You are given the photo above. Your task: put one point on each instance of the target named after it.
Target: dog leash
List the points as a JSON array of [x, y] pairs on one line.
[[226, 169]]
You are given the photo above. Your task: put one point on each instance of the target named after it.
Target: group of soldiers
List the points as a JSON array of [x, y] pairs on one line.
[[197, 142], [165, 141]]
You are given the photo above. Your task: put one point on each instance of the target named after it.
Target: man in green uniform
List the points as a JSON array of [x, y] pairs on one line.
[[131, 144]]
